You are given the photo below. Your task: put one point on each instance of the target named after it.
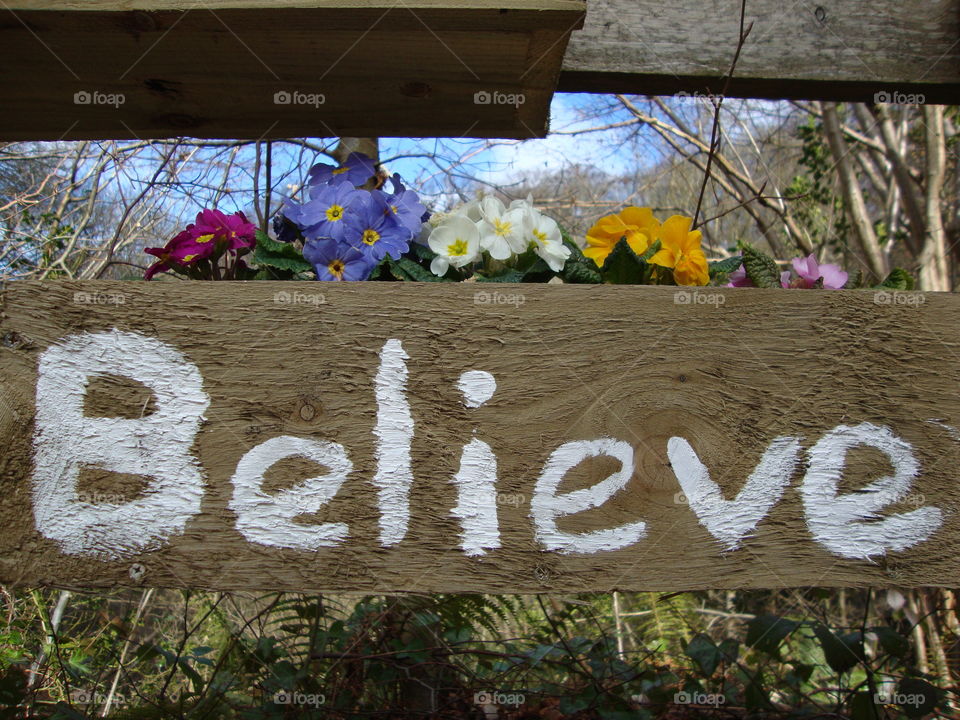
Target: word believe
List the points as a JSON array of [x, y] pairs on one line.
[[158, 447]]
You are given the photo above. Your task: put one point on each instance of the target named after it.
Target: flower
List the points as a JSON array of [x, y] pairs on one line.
[[456, 241], [636, 224], [543, 234], [405, 206], [325, 213], [337, 260], [809, 272], [680, 250], [501, 230], [210, 237], [356, 170], [375, 231]]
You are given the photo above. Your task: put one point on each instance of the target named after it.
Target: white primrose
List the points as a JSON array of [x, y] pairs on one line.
[[456, 241], [501, 230], [542, 233]]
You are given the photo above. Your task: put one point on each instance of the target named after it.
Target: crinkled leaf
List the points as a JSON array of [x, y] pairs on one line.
[[724, 267], [842, 652], [766, 632], [576, 272], [623, 266], [898, 279], [407, 269], [507, 275], [283, 256], [760, 267]]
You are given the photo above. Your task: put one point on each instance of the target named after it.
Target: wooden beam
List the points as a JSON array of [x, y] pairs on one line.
[[837, 50], [252, 69], [143, 429]]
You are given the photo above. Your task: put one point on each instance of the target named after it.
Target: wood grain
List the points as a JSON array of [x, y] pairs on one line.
[[382, 69], [636, 364], [836, 50]]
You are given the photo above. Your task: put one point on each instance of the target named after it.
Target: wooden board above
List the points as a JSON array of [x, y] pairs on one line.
[[838, 50], [476, 438], [95, 69]]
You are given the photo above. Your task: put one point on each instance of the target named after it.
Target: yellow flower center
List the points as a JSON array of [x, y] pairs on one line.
[[334, 213], [341, 171], [370, 237], [188, 258], [501, 228], [205, 238], [541, 237], [336, 268], [457, 248]]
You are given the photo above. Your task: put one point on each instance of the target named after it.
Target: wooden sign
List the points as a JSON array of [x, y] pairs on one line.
[[383, 437], [256, 69]]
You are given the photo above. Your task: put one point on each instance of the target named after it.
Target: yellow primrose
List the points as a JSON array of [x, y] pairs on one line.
[[680, 250], [636, 224]]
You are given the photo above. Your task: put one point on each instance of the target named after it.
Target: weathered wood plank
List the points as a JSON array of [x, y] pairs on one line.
[[732, 375], [844, 49], [244, 69]]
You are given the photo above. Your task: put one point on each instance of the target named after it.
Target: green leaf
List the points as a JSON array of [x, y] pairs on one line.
[[623, 266], [842, 652], [724, 267], [284, 256], [892, 642], [916, 697], [421, 251], [760, 267], [862, 707], [898, 279], [507, 275], [766, 632], [705, 653], [580, 272], [410, 271], [13, 686], [650, 251]]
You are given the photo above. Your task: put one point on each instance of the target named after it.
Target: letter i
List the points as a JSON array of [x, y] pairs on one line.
[[476, 480]]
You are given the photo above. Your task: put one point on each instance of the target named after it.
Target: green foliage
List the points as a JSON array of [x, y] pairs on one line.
[[898, 279], [761, 268], [624, 267], [719, 269], [278, 260], [766, 632]]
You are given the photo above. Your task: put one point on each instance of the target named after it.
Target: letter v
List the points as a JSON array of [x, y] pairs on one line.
[[729, 521]]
